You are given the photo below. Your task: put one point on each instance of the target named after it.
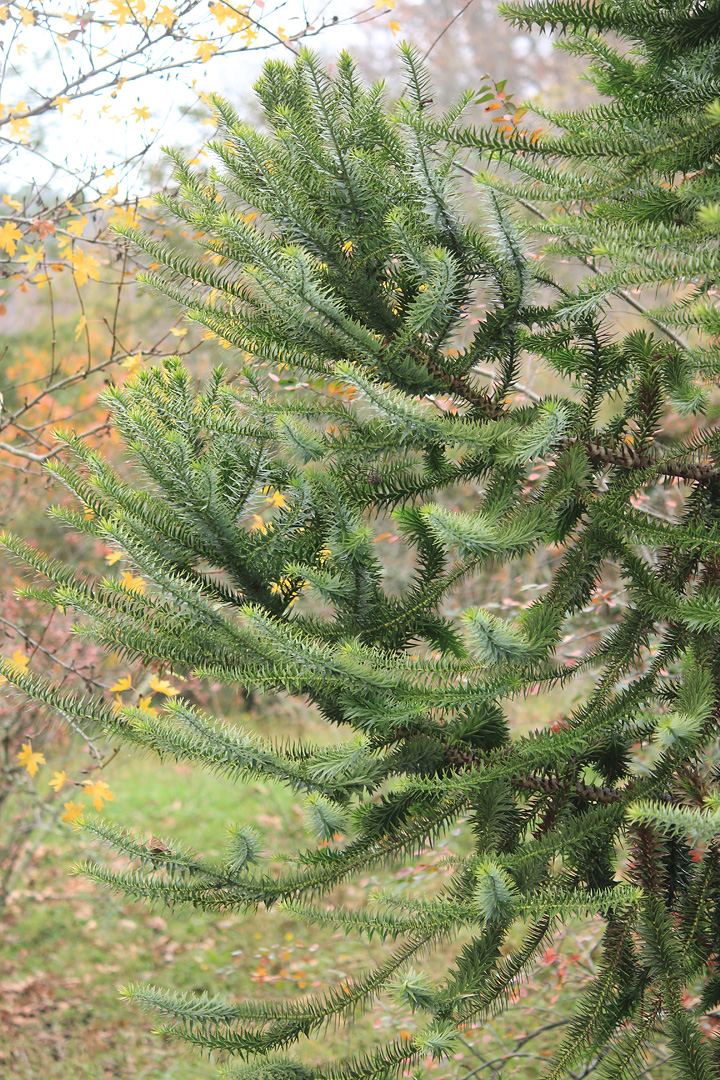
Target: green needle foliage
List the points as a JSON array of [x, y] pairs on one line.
[[334, 243]]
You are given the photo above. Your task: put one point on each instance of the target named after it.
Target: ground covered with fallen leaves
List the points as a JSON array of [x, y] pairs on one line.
[[66, 946]]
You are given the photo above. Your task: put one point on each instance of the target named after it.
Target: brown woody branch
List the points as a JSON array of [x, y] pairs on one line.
[[546, 785], [626, 457], [551, 785], [459, 388]]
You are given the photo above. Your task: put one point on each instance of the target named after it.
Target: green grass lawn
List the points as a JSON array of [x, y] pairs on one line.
[[67, 946]]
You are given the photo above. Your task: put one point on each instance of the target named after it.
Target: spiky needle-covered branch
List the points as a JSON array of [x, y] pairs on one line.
[[334, 244]]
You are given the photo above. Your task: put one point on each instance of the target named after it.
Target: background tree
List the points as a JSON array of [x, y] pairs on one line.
[[88, 95], [80, 73]]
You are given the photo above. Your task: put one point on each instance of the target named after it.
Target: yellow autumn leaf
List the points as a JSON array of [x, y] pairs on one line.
[[121, 11], [258, 525], [19, 660], [84, 267], [395, 27], [123, 215], [113, 557], [206, 49], [32, 257], [18, 663], [27, 16], [12, 202], [58, 780], [284, 585], [73, 813], [178, 331], [221, 11], [75, 228], [141, 112], [164, 16], [145, 707], [99, 792], [132, 584], [20, 129], [276, 499], [82, 323], [123, 683], [132, 363], [30, 759], [9, 236], [162, 686], [226, 13]]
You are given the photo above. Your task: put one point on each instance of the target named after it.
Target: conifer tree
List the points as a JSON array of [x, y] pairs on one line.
[[335, 243]]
